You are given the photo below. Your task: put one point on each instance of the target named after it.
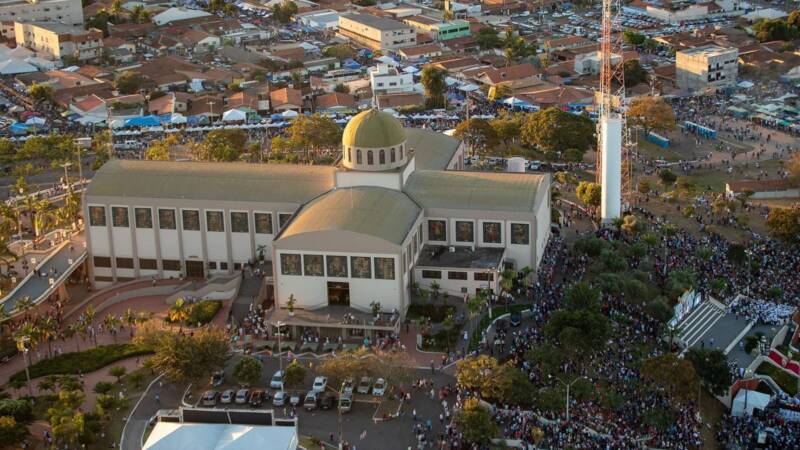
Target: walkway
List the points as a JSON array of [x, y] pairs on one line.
[[248, 290], [36, 287]]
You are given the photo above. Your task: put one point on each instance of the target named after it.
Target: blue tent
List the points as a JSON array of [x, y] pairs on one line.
[[143, 121], [196, 120], [18, 128], [349, 63]]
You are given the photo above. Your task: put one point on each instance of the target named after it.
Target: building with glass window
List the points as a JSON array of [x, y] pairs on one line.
[[398, 209]]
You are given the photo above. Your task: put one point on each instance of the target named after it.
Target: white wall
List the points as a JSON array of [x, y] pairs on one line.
[[170, 246], [146, 243], [542, 234], [99, 239], [240, 243], [192, 245], [123, 244], [378, 179], [454, 287]]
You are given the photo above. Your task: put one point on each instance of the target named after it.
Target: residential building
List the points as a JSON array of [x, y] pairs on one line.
[[178, 14], [67, 12], [708, 67], [58, 40], [325, 19], [398, 211], [384, 79], [439, 30], [376, 33]]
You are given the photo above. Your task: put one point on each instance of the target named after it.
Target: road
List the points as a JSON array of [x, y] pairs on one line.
[[169, 396], [35, 286]]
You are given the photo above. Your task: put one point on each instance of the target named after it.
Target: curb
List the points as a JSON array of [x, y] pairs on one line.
[[135, 407]]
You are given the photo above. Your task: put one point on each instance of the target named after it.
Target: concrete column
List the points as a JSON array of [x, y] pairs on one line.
[[611, 170]]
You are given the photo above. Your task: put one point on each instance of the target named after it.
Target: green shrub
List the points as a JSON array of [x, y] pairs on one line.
[[82, 362], [785, 380], [436, 313], [202, 312], [20, 410]]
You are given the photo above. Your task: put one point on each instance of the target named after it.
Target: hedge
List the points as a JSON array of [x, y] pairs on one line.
[[82, 362], [785, 380], [437, 313]]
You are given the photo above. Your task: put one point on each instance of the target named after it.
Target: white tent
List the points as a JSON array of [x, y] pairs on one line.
[[234, 115], [289, 113], [177, 118], [35, 121], [220, 436], [746, 401], [16, 66]]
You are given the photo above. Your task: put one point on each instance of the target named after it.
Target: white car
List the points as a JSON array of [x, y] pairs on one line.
[[277, 380], [226, 397], [379, 388], [320, 383], [242, 396], [279, 399]]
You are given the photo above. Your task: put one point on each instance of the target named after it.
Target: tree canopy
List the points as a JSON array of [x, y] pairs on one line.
[[711, 366], [128, 82], [652, 114], [478, 134], [283, 12], [190, 358], [434, 85], [784, 224], [475, 423], [554, 130], [248, 370], [634, 73], [221, 145], [589, 193]]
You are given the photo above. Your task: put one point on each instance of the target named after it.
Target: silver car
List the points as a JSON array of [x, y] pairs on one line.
[[279, 399]]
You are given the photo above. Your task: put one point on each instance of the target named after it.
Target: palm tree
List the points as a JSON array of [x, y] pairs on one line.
[[7, 257], [89, 314], [24, 304], [26, 338], [48, 330], [5, 316], [9, 215], [179, 312], [112, 322], [72, 203], [116, 8], [43, 217], [136, 13]]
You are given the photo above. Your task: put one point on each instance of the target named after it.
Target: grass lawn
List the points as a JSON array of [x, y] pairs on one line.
[[786, 381], [653, 152], [82, 362]]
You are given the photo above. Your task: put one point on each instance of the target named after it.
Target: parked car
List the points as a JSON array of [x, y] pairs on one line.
[[347, 386], [209, 398], [295, 398], [515, 319], [256, 398], [226, 397], [242, 396], [279, 399], [380, 387], [277, 380], [327, 401], [312, 401], [346, 403], [364, 385], [217, 378], [320, 383]]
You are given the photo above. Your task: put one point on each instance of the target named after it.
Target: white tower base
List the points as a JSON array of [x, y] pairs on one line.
[[611, 166]]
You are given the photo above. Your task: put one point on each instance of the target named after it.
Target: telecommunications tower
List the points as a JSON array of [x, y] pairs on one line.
[[614, 144]]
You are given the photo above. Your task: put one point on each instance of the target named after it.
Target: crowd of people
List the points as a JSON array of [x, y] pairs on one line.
[[765, 429]]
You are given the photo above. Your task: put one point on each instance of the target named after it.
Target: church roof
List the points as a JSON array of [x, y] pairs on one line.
[[487, 191], [383, 213], [273, 183], [373, 129]]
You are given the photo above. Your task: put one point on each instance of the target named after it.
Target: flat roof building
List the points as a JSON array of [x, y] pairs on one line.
[[709, 67], [376, 33], [69, 12], [59, 40]]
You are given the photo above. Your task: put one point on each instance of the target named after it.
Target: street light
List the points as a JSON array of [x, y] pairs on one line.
[[22, 345], [279, 324], [568, 385]]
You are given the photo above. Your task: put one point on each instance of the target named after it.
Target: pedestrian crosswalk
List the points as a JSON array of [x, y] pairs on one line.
[[693, 327]]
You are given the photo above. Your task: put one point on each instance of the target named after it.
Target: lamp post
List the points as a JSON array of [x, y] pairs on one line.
[[279, 324], [66, 165], [339, 410], [569, 385], [22, 345]]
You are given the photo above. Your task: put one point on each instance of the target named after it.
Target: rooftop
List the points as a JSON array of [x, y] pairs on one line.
[[276, 183], [380, 23], [707, 50], [485, 258]]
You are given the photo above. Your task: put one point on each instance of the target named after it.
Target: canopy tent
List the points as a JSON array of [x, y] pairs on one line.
[[177, 119], [515, 102], [410, 69], [35, 121], [234, 115], [468, 87], [220, 436], [349, 63], [15, 67], [289, 113], [18, 128], [143, 121], [746, 401]]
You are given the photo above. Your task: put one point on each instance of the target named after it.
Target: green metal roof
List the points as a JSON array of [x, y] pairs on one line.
[[474, 190], [269, 183], [373, 129], [432, 150], [383, 213]]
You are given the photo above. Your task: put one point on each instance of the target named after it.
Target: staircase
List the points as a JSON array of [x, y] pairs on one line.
[[694, 326]]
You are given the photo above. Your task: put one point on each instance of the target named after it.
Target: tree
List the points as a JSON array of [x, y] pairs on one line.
[[40, 93], [116, 8], [12, 432], [634, 73], [478, 134], [737, 254], [712, 368], [339, 51], [487, 38], [190, 358], [784, 224], [633, 38], [248, 371], [666, 177], [434, 85], [494, 380], [128, 82], [674, 376], [313, 134], [794, 19], [341, 88], [283, 12], [652, 114], [475, 423], [294, 374], [159, 150], [589, 193], [506, 128], [118, 372], [102, 387], [554, 130], [774, 30], [221, 145]]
